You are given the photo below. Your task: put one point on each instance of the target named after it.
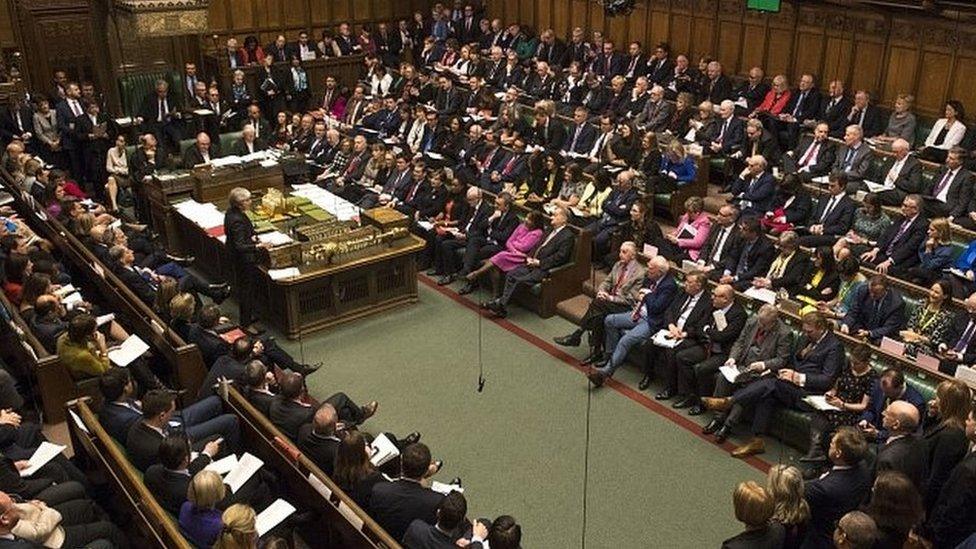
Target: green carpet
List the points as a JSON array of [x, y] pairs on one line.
[[519, 446]]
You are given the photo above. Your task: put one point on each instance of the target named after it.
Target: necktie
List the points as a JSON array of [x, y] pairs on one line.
[[830, 206], [75, 110], [413, 192], [893, 172], [572, 146], [743, 265], [942, 184], [353, 165], [725, 126], [723, 236], [848, 158], [898, 235], [162, 110], [966, 336], [620, 279], [508, 165], [811, 154], [799, 101]]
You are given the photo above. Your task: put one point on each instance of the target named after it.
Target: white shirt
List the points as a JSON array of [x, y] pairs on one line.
[[894, 171], [944, 193], [688, 308]]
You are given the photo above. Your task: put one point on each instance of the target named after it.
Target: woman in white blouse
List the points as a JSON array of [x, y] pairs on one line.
[[117, 166], [380, 82], [946, 133]]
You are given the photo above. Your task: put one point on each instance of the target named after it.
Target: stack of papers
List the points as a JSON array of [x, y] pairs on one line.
[[445, 489], [819, 402], [662, 339], [204, 215], [242, 471], [383, 450], [335, 205], [762, 294], [279, 274], [275, 238], [131, 349], [272, 516]]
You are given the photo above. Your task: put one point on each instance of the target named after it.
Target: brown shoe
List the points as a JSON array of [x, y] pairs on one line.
[[751, 448], [596, 377], [370, 409], [717, 404]]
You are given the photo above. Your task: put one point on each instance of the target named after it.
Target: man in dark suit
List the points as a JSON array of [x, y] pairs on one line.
[[395, 505], [903, 450], [450, 518], [257, 386], [448, 100], [952, 188], [248, 143], [120, 410], [877, 311], [626, 330], [688, 314], [903, 172], [636, 62], [242, 247], [608, 63], [318, 440], [67, 112], [723, 241], [616, 211], [952, 519], [834, 109], [450, 246], [255, 119], [753, 258], [789, 270], [832, 217], [840, 490], [547, 132], [757, 141], [891, 386], [17, 122], [853, 158], [483, 244], [659, 66], [817, 360], [804, 105], [956, 349], [581, 136], [303, 49], [96, 133], [290, 409], [555, 250], [898, 245], [864, 114], [753, 190], [813, 156], [210, 431], [731, 130], [718, 87], [202, 152], [549, 50], [596, 97], [751, 93], [160, 116]]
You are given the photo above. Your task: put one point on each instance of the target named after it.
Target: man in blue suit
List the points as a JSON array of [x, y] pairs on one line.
[[839, 490], [753, 191], [818, 359], [616, 210], [891, 386], [625, 330], [877, 311]]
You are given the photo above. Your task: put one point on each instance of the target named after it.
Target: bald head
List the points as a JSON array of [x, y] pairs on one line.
[[901, 417]]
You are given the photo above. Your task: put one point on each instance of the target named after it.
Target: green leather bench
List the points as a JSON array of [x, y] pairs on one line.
[[134, 88]]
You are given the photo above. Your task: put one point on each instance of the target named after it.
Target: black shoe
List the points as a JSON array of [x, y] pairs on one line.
[[666, 394], [571, 340], [711, 427], [486, 304], [696, 410], [309, 369], [466, 289], [185, 261], [722, 434], [645, 382], [456, 481], [255, 328], [683, 403], [445, 280], [594, 357], [500, 311], [412, 438]]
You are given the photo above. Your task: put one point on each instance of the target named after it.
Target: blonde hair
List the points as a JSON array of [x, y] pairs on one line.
[[753, 506], [785, 486], [182, 306], [239, 530], [941, 227], [205, 490]]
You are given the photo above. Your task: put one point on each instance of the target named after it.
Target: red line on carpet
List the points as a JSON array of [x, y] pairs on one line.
[[573, 362]]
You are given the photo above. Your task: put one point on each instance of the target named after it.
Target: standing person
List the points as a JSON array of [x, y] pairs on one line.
[[242, 246]]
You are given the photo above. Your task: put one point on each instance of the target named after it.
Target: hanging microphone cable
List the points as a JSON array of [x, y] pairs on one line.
[[481, 362], [586, 462]]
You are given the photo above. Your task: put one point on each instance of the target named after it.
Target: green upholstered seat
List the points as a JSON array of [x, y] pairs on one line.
[[134, 88]]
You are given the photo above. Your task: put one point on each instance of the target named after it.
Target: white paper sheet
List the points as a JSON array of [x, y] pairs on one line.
[[819, 402], [280, 274], [720, 321], [729, 372], [105, 319], [246, 467], [762, 294], [132, 348], [223, 466], [445, 489], [272, 516], [661, 339], [275, 238], [319, 486], [44, 453], [383, 450]]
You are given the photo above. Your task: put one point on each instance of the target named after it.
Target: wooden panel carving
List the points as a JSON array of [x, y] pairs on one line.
[[779, 51], [753, 48], [809, 52], [933, 80], [866, 73], [837, 59], [680, 38], [900, 71]]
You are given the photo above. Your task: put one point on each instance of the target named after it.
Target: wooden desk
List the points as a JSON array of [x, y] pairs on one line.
[[323, 295]]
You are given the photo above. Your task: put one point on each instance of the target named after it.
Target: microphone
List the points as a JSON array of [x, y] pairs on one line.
[[481, 383]]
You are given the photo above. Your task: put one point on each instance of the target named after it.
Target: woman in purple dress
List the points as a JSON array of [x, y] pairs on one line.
[[518, 247]]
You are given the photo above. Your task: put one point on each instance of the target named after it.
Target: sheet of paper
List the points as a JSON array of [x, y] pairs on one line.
[[351, 516], [761, 294], [435, 156], [81, 424], [877, 187], [65, 290], [445, 489], [650, 252], [720, 322], [319, 486], [71, 300], [223, 466], [132, 348], [729, 372], [661, 339], [44, 453], [383, 450], [281, 274], [426, 225], [819, 402], [275, 238], [246, 467], [105, 319], [272, 516]]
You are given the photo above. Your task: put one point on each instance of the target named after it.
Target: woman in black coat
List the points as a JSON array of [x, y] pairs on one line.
[[945, 441]]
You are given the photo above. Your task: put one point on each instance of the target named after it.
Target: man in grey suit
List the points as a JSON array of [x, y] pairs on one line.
[[763, 344], [656, 114], [617, 293], [853, 158], [902, 171]]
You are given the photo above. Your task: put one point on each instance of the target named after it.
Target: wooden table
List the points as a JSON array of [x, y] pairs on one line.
[[323, 295]]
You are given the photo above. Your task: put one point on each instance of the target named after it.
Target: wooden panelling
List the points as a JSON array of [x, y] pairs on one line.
[[6, 26], [874, 49]]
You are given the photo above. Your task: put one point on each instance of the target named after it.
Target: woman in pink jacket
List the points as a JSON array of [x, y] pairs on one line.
[[687, 240], [518, 247]]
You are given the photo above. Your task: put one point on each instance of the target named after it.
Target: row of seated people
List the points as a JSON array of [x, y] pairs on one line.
[[924, 440], [864, 501]]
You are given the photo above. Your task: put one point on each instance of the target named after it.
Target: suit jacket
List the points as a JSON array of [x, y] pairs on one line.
[[753, 95], [192, 156], [699, 316], [239, 147], [118, 419], [239, 232], [794, 275], [877, 402], [501, 228], [809, 108], [449, 101], [211, 345], [857, 168], [767, 146], [707, 334], [320, 449], [150, 108], [656, 303], [960, 190], [904, 249], [774, 350], [880, 320], [224, 367], [905, 454], [139, 285], [626, 279], [596, 99], [289, 416], [872, 123], [168, 487], [558, 251], [582, 142], [758, 192], [552, 136], [476, 221], [838, 220], [655, 116], [830, 498], [394, 505], [953, 517], [821, 163], [729, 249], [660, 71], [909, 180], [770, 537], [755, 262], [421, 535], [718, 90], [261, 401], [944, 447], [834, 113], [822, 364], [8, 123], [606, 67], [142, 447], [733, 137]]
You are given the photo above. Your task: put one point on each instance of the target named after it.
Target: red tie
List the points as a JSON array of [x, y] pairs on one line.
[[620, 280], [811, 154]]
